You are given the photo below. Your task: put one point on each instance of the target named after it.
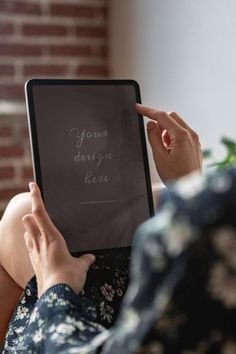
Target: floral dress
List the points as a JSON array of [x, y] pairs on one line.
[[181, 297]]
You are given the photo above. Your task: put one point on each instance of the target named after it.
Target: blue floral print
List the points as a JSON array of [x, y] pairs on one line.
[[181, 298]]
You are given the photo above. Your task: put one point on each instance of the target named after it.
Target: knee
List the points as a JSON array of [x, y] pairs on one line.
[[19, 204], [11, 220], [14, 256], [20, 200]]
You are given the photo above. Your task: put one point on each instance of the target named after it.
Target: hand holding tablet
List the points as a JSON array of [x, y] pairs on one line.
[[90, 160]]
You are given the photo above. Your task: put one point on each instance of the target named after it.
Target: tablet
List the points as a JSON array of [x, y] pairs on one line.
[[90, 160]]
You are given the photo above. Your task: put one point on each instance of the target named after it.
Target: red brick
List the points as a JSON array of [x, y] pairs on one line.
[[99, 51], [77, 50], [5, 132], [7, 193], [11, 151], [7, 70], [19, 7], [24, 132], [6, 28], [11, 91], [92, 70], [20, 49], [44, 30], [27, 172], [96, 32], [6, 172], [44, 70], [77, 11], [70, 50]]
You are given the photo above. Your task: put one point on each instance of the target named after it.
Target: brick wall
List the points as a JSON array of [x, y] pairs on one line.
[[47, 38], [15, 159]]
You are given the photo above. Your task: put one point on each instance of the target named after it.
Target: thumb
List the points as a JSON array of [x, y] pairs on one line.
[[86, 261]]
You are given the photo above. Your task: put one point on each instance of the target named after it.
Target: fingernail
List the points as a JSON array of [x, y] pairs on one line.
[[31, 186], [93, 258]]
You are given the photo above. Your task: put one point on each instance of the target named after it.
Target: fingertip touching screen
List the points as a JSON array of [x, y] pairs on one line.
[[90, 160]]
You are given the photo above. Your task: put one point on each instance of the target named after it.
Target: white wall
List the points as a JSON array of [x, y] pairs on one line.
[[183, 53]]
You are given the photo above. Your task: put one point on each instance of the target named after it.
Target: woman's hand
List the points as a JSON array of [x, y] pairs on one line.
[[175, 146], [48, 252]]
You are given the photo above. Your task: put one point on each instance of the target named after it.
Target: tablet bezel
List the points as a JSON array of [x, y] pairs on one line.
[[34, 139]]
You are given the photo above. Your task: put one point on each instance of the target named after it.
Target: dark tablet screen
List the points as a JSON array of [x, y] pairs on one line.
[[90, 160]]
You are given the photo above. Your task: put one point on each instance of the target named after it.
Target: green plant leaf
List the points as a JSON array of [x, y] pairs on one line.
[[229, 144], [230, 157], [207, 153]]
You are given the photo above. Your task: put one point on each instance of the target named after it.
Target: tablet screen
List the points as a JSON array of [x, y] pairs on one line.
[[90, 162]]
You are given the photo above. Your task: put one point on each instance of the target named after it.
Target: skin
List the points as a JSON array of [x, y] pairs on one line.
[[49, 255], [27, 232], [175, 146], [15, 265]]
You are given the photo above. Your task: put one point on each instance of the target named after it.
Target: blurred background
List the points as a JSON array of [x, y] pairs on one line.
[[182, 53], [44, 38]]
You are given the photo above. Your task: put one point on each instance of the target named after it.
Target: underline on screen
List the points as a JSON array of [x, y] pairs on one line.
[[99, 201]]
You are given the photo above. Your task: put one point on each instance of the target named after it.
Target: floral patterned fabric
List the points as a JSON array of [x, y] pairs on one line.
[[182, 293], [106, 284]]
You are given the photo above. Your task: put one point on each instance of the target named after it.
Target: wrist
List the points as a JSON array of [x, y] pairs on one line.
[[59, 279]]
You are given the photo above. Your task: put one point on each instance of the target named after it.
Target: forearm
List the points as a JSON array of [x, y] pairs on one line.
[[63, 321]]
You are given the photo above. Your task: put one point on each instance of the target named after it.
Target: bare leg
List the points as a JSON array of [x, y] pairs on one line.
[[9, 296], [14, 257], [15, 267]]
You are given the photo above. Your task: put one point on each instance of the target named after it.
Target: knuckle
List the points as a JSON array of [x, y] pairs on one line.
[[184, 134], [195, 136], [163, 114]]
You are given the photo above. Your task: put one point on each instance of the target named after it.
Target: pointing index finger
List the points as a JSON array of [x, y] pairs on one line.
[[162, 118]]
